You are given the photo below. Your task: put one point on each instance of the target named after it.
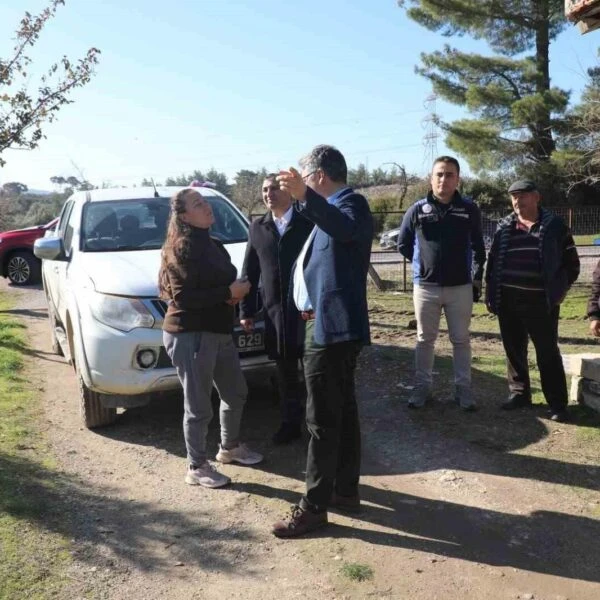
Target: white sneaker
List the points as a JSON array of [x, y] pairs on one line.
[[206, 475], [240, 454]]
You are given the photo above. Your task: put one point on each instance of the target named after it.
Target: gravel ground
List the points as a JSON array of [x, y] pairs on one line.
[[457, 505]]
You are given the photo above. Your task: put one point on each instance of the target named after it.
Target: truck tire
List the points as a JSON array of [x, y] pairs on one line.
[[93, 413], [23, 268]]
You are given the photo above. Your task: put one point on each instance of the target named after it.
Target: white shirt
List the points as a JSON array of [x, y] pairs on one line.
[[282, 222], [300, 293]]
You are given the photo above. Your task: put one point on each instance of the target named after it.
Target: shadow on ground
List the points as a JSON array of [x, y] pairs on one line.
[[32, 493], [442, 436], [396, 441], [25, 348], [400, 441], [544, 542]]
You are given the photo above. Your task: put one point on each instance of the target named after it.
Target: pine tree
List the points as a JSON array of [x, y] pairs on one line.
[[578, 154], [516, 110]]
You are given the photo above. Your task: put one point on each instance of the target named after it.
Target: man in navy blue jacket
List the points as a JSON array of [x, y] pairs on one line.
[[329, 289], [441, 235]]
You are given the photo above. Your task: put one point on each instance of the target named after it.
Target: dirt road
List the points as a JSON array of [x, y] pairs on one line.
[[458, 506]]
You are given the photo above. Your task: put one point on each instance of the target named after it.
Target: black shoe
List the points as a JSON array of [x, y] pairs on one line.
[[516, 401], [349, 504], [560, 416], [299, 522], [288, 432]]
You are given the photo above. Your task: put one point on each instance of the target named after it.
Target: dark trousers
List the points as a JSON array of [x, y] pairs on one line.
[[333, 460], [290, 390], [522, 316]]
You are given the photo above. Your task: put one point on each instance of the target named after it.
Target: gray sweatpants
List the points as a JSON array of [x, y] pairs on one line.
[[201, 359], [457, 302]]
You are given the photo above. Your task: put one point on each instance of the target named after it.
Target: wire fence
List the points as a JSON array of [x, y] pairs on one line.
[[582, 220], [392, 272]]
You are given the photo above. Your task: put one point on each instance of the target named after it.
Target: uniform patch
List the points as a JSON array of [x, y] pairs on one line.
[[427, 208]]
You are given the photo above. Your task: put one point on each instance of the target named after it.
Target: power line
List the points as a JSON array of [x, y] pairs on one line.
[[185, 168], [430, 124]]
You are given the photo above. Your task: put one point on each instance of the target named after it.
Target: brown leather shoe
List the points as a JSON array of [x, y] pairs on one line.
[[349, 504], [299, 522]]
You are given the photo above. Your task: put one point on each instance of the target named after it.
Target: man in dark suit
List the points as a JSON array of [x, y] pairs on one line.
[[329, 288], [274, 244]]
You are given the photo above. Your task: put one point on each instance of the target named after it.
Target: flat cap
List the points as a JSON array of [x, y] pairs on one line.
[[523, 185]]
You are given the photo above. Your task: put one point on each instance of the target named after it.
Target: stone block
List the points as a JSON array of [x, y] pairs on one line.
[[590, 369], [573, 363], [575, 389], [590, 394]]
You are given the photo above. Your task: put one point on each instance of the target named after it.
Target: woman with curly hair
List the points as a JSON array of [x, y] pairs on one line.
[[198, 282]]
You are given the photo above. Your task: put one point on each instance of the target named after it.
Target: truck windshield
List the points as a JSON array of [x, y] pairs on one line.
[[141, 224]]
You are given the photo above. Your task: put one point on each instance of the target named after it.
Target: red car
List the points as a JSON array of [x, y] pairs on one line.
[[16, 254]]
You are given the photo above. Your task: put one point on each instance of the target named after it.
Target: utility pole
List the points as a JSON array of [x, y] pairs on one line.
[[430, 124]]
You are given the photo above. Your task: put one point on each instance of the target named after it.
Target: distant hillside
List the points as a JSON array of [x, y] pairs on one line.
[[35, 207], [34, 192], [379, 191]]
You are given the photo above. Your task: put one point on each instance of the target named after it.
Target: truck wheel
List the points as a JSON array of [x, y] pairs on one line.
[[93, 413], [23, 268]]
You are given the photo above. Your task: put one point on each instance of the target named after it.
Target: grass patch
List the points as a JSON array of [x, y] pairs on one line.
[[394, 338], [396, 308], [586, 240], [357, 571], [34, 557]]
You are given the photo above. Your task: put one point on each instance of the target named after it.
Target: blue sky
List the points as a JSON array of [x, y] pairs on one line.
[[240, 84]]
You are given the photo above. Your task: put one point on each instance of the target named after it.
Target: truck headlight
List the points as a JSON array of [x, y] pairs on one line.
[[123, 314]]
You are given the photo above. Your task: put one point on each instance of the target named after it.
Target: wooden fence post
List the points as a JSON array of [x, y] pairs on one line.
[[376, 279]]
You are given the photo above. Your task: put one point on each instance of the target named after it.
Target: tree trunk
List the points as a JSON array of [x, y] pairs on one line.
[[544, 144]]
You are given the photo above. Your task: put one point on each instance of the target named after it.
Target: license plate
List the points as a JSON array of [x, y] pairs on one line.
[[250, 342]]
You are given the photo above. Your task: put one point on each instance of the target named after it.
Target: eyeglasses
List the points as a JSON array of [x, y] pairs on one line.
[[305, 177]]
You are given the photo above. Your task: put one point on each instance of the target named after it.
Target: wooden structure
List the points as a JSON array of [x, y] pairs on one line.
[[586, 13]]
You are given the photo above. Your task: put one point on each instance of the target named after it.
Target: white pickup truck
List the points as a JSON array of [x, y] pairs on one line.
[[100, 274]]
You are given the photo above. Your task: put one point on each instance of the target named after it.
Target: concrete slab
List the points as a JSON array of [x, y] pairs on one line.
[[574, 363]]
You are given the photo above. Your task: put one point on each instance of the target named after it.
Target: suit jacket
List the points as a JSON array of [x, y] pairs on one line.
[[336, 266], [269, 259]]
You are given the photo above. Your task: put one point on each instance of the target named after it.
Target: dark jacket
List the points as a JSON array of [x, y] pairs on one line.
[[269, 259], [559, 259], [443, 242], [200, 288], [335, 269], [593, 307]]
